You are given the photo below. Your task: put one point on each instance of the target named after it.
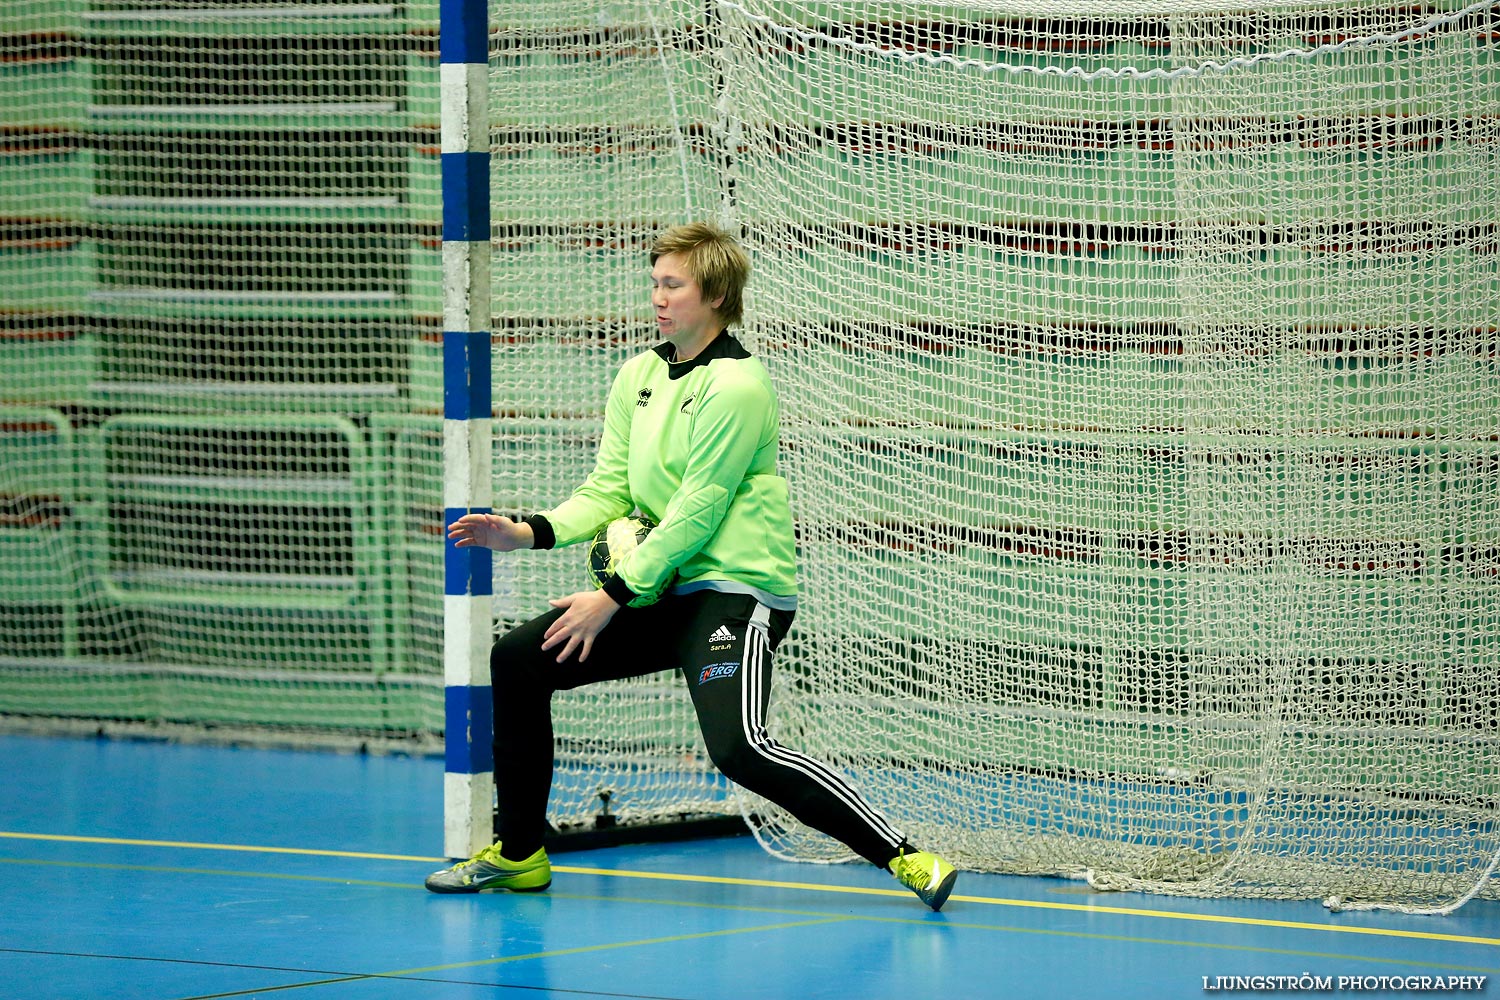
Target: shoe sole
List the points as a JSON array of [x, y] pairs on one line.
[[460, 889], [944, 888], [470, 889]]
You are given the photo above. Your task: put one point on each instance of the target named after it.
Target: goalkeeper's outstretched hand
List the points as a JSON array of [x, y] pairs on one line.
[[490, 531]]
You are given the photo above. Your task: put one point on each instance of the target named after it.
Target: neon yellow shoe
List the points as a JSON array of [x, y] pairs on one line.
[[488, 870], [927, 875]]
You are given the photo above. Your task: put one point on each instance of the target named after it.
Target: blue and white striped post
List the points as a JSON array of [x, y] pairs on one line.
[[469, 778]]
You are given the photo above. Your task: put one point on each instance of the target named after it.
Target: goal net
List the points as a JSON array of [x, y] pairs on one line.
[[219, 289], [1138, 369]]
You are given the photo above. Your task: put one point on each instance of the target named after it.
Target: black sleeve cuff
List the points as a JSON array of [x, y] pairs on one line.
[[618, 591], [543, 537]]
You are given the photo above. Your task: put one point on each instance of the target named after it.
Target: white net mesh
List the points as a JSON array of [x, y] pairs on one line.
[[1138, 368], [219, 301]]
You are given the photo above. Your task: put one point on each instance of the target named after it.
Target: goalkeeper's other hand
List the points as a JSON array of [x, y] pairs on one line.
[[490, 531]]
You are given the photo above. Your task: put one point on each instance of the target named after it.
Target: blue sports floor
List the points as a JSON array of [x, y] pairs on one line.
[[137, 870]]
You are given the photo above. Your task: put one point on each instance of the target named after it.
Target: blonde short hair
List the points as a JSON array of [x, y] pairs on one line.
[[715, 260]]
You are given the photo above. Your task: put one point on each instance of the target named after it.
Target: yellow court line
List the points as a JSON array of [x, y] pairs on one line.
[[419, 973], [250, 849], [1212, 918], [615, 945], [814, 919]]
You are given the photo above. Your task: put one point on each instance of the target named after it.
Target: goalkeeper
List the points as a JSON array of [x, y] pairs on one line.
[[690, 439]]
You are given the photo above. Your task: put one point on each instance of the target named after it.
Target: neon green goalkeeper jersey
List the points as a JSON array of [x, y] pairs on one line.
[[692, 446]]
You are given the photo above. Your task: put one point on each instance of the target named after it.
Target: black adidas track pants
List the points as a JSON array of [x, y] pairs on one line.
[[722, 643]]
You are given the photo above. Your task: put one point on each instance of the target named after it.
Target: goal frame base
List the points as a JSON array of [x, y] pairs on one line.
[[605, 831]]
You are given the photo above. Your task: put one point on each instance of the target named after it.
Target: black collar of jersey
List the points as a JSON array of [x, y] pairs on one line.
[[722, 346]]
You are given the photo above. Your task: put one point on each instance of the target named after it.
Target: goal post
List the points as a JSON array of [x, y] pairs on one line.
[[469, 781]]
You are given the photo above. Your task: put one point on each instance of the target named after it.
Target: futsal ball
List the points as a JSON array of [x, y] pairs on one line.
[[612, 544]]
